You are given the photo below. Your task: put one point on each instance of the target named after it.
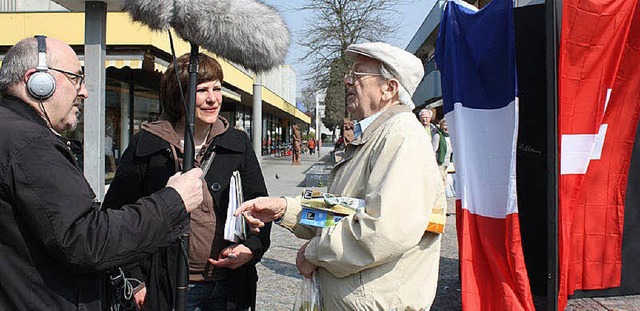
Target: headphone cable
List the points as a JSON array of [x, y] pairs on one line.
[[45, 114]]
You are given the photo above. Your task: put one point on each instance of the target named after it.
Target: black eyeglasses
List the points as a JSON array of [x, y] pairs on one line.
[[77, 79]]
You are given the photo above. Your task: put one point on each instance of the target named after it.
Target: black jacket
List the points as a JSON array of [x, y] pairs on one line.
[[147, 164], [54, 240]]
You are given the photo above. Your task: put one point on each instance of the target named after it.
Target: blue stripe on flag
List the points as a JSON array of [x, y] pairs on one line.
[[475, 53]]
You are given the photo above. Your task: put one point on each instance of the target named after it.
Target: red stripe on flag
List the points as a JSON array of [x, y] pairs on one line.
[[600, 50], [492, 269]]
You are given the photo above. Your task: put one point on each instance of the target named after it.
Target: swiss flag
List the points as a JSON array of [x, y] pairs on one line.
[[599, 85]]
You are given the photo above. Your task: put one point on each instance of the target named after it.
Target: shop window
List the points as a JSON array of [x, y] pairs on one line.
[[120, 123], [131, 98]]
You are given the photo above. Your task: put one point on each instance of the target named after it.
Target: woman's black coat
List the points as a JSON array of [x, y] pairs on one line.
[[145, 167]]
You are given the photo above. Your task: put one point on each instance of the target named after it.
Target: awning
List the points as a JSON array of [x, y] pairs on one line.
[[131, 61], [160, 65], [435, 104]]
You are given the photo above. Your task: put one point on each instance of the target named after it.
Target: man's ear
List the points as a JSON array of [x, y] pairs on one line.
[[390, 90], [27, 75]]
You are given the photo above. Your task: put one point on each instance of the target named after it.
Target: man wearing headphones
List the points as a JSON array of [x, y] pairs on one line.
[[54, 239]]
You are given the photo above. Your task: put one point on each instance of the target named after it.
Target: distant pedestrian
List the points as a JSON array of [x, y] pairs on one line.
[[312, 145], [444, 151], [425, 116]]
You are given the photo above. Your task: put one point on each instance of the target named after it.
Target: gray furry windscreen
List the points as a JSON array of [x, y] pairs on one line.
[[245, 32]]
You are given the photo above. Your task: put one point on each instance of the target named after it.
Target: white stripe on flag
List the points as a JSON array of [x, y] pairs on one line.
[[606, 101], [484, 147], [577, 150], [466, 5]]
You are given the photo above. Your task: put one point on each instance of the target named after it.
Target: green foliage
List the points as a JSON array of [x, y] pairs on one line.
[[334, 101], [307, 136]]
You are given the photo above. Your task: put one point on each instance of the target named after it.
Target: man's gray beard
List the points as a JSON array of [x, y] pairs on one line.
[[78, 115], [73, 127]]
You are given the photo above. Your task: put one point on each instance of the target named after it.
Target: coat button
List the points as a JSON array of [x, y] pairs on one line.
[[215, 186]]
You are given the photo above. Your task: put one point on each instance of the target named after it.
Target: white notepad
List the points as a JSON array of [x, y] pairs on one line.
[[234, 227]]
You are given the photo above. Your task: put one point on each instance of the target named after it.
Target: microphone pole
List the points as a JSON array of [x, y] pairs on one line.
[[182, 278]]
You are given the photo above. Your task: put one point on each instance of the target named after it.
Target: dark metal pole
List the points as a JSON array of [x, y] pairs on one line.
[[551, 26], [182, 279]]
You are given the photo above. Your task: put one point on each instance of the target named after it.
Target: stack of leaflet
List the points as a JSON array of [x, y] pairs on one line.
[[326, 209], [234, 227]]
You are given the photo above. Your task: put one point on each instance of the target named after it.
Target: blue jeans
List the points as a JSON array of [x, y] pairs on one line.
[[207, 296]]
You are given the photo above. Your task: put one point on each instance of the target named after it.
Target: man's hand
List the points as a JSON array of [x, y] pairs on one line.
[[304, 266], [261, 210], [139, 297], [232, 257], [189, 186]]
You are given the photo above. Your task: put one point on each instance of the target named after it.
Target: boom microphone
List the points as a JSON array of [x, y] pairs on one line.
[[246, 32]]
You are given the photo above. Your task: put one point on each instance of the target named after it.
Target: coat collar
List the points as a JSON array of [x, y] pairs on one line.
[[150, 143], [230, 139], [381, 119], [368, 133], [23, 109]]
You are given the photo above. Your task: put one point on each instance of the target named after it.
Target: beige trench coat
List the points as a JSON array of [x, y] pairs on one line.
[[380, 258]]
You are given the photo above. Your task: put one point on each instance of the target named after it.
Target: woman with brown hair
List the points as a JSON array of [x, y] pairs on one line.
[[222, 274]]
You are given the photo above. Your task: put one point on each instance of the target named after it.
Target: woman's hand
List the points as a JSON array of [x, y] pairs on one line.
[[232, 257]]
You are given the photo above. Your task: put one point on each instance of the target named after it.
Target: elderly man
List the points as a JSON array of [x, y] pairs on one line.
[[425, 116], [379, 258], [54, 238]]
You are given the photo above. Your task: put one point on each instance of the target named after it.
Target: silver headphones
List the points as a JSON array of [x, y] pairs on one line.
[[41, 83]]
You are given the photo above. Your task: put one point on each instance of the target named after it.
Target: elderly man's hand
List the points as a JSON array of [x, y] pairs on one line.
[[261, 210], [304, 266]]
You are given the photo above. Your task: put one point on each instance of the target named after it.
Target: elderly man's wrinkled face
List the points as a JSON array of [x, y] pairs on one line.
[[425, 117], [63, 107], [364, 88]]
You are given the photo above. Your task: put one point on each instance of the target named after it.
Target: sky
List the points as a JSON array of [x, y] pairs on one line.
[[412, 13]]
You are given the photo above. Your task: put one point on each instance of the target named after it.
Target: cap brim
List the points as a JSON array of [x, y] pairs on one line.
[[354, 53]]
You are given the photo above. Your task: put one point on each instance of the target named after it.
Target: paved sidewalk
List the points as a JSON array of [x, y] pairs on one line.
[[279, 278]]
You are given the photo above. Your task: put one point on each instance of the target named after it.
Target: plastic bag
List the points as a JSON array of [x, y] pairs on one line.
[[308, 298]]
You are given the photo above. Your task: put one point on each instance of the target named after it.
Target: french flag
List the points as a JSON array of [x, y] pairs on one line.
[[475, 54]]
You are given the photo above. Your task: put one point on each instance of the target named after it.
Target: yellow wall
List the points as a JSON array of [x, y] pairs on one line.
[[69, 27], [277, 101]]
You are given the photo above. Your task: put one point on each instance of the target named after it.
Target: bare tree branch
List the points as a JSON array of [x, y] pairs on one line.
[[334, 25]]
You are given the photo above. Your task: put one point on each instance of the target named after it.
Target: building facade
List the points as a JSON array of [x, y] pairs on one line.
[[135, 58], [423, 45]]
